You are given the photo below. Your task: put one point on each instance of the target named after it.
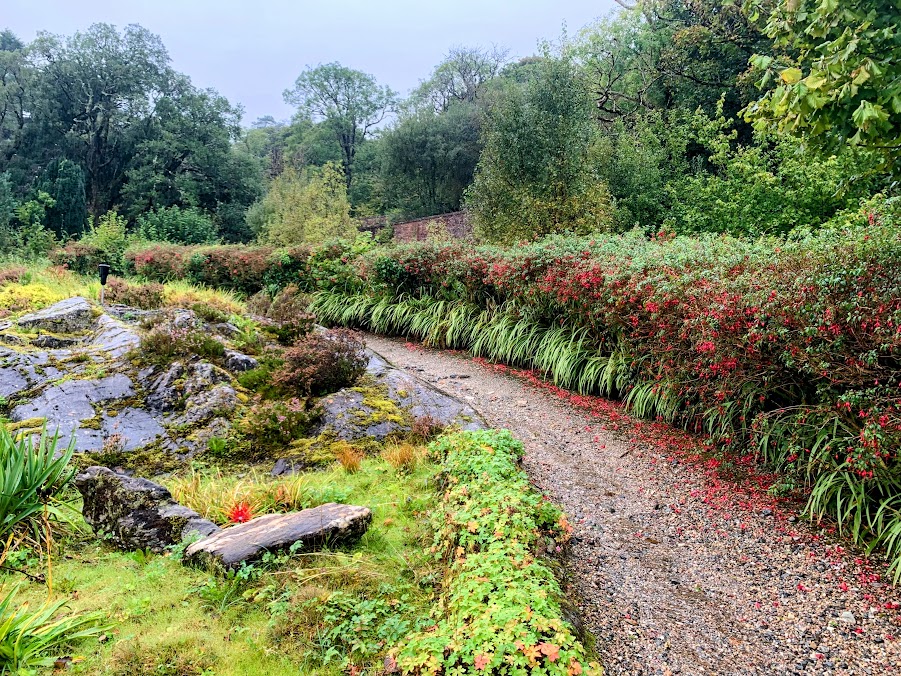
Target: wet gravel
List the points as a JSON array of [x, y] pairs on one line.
[[675, 571]]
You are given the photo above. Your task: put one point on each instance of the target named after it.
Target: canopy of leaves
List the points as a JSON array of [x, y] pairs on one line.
[[306, 207], [835, 75], [533, 177]]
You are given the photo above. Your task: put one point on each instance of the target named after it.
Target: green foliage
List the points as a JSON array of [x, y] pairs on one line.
[[350, 102], [180, 226], [310, 207], [108, 236], [99, 121], [33, 486], [429, 158], [835, 74], [532, 178], [64, 181], [639, 160], [771, 186], [500, 611], [36, 638], [31, 238]]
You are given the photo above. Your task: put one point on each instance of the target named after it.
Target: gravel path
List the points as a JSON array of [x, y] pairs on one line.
[[677, 570]]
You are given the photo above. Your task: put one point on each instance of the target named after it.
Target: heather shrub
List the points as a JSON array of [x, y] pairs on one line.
[[269, 426], [145, 296], [289, 315], [321, 363], [165, 342], [12, 274]]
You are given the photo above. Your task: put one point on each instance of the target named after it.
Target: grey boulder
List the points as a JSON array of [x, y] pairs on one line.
[[238, 362], [67, 316], [136, 513], [327, 524]]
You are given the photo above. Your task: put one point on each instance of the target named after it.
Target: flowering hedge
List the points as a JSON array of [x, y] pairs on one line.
[[790, 349], [500, 612]]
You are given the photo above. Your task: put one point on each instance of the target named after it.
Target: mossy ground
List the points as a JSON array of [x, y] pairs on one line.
[[170, 619], [316, 613]]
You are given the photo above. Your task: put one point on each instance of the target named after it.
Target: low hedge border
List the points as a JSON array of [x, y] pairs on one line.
[[499, 611]]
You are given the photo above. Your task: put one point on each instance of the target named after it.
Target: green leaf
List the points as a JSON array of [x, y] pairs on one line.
[[791, 75]]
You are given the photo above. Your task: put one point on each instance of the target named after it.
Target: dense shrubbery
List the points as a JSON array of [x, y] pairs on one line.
[[791, 344], [145, 296], [501, 611], [321, 363], [181, 226]]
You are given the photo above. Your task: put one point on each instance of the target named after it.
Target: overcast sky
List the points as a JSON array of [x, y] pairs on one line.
[[252, 51]]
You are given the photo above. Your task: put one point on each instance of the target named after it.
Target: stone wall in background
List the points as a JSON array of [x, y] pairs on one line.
[[456, 223]]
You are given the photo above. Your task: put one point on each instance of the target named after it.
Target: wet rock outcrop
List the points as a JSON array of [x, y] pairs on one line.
[[136, 513]]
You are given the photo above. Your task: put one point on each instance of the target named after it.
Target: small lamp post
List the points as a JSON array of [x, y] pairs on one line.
[[103, 268]]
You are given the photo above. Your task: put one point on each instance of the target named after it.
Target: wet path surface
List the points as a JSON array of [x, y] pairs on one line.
[[676, 571]]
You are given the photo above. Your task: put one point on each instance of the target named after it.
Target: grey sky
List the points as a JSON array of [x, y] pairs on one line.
[[252, 51]]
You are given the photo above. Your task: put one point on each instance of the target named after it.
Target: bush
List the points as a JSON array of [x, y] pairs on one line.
[[786, 346], [160, 263], [80, 257], [34, 481], [234, 267], [177, 225], [165, 342], [322, 363], [271, 425], [491, 526], [108, 235], [289, 315], [145, 296]]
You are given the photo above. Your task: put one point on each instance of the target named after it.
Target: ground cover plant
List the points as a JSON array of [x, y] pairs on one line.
[[500, 606]]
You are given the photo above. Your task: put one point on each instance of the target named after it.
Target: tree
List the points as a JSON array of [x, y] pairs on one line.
[[63, 180], [429, 158], [95, 89], [351, 104], [186, 153], [306, 207], [533, 177], [665, 54], [460, 78], [835, 76]]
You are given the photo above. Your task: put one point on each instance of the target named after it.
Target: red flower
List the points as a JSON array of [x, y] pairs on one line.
[[240, 512]]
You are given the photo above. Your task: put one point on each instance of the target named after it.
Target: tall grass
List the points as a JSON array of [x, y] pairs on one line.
[[35, 638], [35, 480]]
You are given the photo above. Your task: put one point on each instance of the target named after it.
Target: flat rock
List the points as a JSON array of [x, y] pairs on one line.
[[66, 407], [136, 513], [54, 342], [67, 316], [114, 338], [346, 414], [327, 524]]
